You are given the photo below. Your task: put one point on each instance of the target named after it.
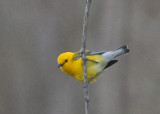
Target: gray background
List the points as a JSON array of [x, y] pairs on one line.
[[34, 32]]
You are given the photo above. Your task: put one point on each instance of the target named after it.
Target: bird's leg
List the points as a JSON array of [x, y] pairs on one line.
[[81, 51]]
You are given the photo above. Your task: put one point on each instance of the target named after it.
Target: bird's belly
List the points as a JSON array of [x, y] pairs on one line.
[[94, 68], [93, 72]]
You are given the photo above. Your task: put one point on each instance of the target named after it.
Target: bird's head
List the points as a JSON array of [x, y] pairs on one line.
[[65, 59]]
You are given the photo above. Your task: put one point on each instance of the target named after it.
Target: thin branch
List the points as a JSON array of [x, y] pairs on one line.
[[82, 51]]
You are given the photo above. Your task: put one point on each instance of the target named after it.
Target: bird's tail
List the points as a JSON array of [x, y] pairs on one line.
[[110, 55]]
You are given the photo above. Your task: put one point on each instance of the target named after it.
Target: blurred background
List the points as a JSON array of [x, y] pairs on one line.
[[34, 32]]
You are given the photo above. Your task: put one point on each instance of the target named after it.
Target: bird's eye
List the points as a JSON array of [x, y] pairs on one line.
[[66, 60]]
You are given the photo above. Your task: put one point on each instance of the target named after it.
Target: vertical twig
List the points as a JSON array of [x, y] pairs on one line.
[[82, 51]]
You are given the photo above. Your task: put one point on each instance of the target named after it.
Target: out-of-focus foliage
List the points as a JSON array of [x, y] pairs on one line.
[[34, 32]]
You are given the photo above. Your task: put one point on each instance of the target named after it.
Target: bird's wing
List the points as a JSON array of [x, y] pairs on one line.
[[96, 52], [77, 55], [92, 60]]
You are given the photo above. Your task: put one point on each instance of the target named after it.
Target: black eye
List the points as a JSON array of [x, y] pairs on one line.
[[66, 60]]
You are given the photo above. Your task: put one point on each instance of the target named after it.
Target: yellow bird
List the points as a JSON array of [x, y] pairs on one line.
[[71, 63]]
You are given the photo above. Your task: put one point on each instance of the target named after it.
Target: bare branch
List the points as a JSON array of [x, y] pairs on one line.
[[82, 51]]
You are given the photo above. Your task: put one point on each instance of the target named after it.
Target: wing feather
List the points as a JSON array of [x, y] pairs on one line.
[[96, 52]]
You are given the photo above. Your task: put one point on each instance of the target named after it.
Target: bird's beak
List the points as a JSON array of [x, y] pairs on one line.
[[59, 65]]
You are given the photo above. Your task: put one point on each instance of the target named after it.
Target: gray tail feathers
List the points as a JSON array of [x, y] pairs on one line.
[[110, 55], [124, 48]]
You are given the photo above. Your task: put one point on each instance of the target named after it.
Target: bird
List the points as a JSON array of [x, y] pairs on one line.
[[96, 62]]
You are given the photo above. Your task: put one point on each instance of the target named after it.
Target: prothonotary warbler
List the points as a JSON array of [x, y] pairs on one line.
[[71, 63]]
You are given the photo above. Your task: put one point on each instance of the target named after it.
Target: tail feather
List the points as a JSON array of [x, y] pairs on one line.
[[125, 48], [110, 55], [110, 63]]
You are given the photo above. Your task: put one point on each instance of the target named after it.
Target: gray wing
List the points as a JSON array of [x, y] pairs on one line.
[[96, 53], [90, 53]]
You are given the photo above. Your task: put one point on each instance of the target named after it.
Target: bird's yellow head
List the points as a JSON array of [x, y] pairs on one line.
[[65, 59], [65, 62]]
